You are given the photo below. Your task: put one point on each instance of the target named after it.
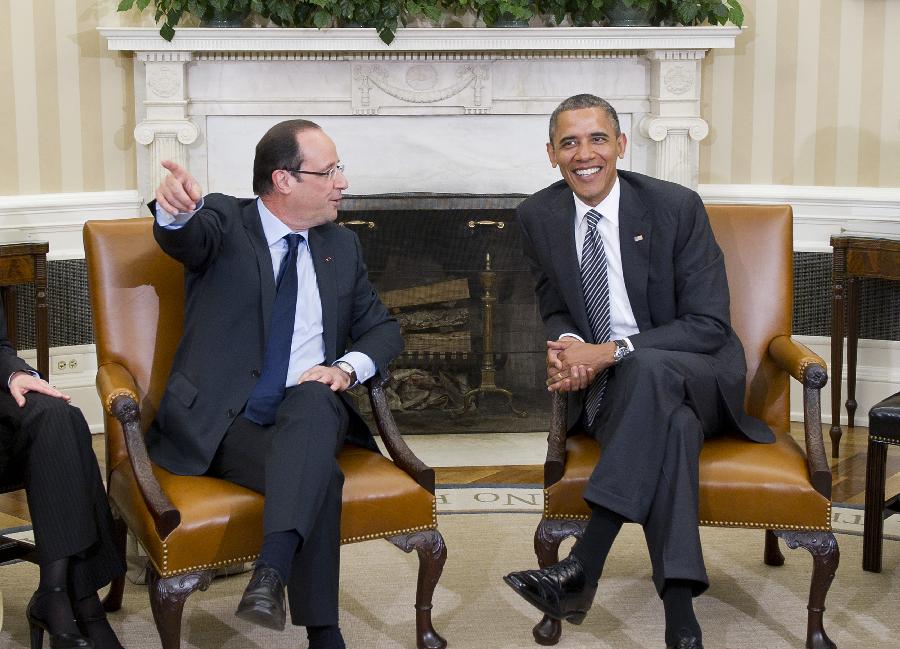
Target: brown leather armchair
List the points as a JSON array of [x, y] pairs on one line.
[[190, 526], [781, 487]]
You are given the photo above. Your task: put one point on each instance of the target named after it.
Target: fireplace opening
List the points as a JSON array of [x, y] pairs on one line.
[[451, 270]]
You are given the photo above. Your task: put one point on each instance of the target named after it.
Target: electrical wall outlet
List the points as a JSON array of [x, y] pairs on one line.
[[67, 364]]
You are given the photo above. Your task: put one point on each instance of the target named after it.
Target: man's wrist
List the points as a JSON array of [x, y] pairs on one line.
[[348, 369]]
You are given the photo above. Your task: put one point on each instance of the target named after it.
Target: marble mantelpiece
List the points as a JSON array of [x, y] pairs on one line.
[[439, 110]]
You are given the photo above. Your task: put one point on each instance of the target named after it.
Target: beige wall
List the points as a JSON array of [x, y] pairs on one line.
[[66, 103], [811, 96]]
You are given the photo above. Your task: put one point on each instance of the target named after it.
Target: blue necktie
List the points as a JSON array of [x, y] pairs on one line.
[[595, 285], [269, 390]]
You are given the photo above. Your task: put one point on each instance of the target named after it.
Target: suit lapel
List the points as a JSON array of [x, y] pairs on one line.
[[257, 237], [634, 242], [560, 230], [323, 261]]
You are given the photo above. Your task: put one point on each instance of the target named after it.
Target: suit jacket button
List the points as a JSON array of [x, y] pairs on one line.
[[254, 374], [231, 413]]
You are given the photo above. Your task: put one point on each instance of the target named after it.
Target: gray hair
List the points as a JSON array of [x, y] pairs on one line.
[[577, 102]]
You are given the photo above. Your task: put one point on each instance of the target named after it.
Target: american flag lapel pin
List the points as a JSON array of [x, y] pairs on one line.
[[639, 237], [329, 258]]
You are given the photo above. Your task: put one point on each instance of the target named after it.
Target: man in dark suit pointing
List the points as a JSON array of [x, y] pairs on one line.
[[632, 290], [280, 319]]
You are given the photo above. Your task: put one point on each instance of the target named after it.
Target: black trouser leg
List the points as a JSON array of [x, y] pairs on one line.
[[650, 428], [293, 463], [68, 504]]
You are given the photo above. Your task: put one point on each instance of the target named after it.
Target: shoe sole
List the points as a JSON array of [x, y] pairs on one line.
[[575, 617], [262, 617]]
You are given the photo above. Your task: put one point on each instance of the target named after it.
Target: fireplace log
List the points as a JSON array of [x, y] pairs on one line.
[[439, 319], [446, 291], [453, 341]]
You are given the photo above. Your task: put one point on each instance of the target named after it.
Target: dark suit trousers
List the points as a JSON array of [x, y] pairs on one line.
[[47, 445], [293, 463], [658, 408]]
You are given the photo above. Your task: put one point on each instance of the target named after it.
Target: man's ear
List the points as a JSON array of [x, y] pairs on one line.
[[281, 181], [622, 142], [551, 153]]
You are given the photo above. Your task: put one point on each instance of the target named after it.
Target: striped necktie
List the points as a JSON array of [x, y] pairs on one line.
[[595, 285]]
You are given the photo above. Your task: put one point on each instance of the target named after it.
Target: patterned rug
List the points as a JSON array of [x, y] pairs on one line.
[[748, 604]]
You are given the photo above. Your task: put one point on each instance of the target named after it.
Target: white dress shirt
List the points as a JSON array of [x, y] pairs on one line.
[[621, 318], [308, 343]]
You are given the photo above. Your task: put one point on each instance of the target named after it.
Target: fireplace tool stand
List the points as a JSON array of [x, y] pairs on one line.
[[488, 300]]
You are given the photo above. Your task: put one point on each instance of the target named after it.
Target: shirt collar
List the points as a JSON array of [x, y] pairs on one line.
[[608, 207], [274, 228]]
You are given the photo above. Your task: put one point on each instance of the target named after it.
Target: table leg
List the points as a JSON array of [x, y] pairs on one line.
[[41, 316], [9, 309], [852, 341], [838, 276]]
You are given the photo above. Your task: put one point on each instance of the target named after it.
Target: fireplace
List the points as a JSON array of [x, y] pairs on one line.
[[439, 110], [451, 270]]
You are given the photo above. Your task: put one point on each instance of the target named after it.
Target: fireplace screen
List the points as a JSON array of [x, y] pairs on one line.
[[451, 270]]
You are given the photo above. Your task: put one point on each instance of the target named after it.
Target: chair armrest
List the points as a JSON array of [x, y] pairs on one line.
[[799, 361], [808, 368], [119, 395], [397, 448], [555, 464]]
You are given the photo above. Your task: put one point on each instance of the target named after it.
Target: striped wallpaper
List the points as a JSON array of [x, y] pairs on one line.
[[810, 96]]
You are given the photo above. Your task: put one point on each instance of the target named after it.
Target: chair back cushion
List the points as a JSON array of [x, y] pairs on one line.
[[757, 241], [137, 302]]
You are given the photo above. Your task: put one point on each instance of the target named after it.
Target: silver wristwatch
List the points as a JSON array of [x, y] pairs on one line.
[[348, 368], [621, 351]]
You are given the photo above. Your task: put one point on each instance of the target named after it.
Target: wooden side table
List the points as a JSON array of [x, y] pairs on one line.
[[856, 256], [25, 262]]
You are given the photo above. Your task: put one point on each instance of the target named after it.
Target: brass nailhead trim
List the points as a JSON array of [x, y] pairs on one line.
[[775, 526], [885, 440], [218, 564], [114, 395]]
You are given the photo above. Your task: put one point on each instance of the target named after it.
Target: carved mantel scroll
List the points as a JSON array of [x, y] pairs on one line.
[[207, 77]]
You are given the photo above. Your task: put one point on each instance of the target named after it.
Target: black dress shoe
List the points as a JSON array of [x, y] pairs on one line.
[[688, 642], [560, 590], [263, 599]]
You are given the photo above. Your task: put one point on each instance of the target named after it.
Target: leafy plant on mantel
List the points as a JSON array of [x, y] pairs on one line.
[[386, 15]]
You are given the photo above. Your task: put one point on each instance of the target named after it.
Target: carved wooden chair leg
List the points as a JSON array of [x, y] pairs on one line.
[[547, 537], [167, 597], [113, 599], [772, 555], [826, 556], [432, 554]]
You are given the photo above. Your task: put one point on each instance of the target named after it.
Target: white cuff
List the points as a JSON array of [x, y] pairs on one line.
[[175, 221]]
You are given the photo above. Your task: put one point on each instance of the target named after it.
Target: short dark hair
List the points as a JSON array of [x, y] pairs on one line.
[[576, 102], [278, 149]]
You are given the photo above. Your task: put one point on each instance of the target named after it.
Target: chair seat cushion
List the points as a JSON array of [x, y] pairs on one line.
[[742, 484], [884, 420], [221, 522]]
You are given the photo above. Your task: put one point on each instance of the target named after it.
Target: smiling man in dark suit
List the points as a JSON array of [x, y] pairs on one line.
[[280, 320], [632, 290]]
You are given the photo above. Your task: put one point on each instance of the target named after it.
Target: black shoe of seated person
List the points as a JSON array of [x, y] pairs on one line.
[[263, 599], [560, 591], [687, 642]]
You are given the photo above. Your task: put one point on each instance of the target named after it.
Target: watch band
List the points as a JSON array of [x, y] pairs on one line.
[[348, 368], [621, 351]]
